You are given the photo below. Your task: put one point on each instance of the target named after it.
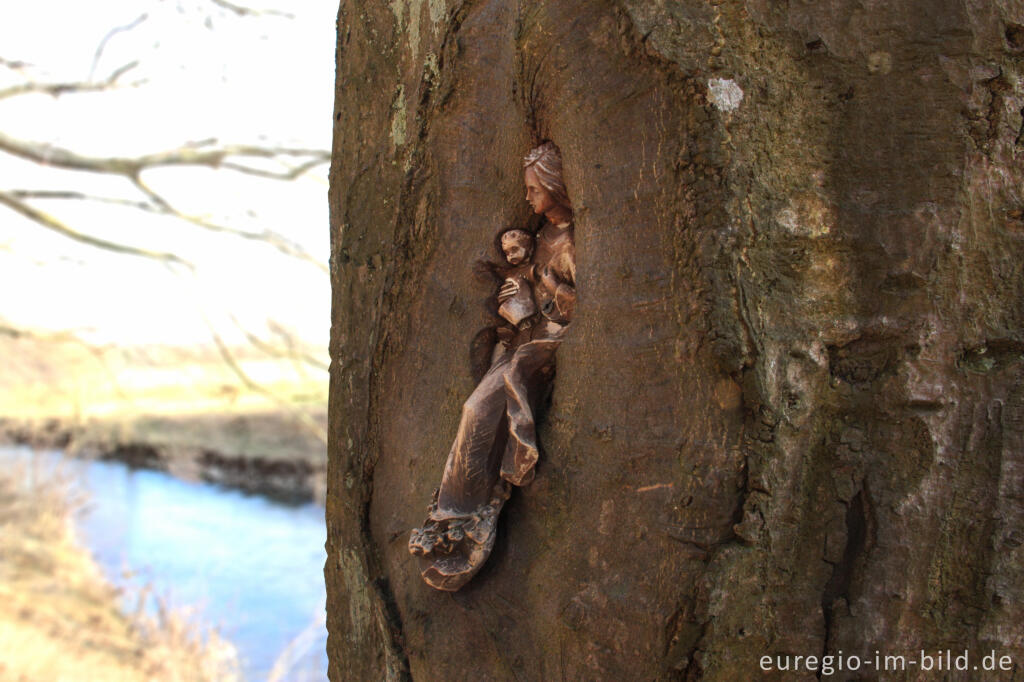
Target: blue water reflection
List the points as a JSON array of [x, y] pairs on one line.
[[254, 567]]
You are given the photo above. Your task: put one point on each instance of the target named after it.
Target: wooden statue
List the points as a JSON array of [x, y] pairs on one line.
[[496, 444]]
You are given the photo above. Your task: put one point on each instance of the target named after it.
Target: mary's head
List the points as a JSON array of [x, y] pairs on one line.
[[545, 188]]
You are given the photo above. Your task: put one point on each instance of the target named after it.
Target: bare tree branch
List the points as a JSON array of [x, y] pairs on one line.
[[291, 352], [51, 223], [249, 11], [274, 239], [161, 206], [58, 89], [190, 154], [130, 167], [110, 34], [13, 64], [229, 359], [289, 174], [77, 196]]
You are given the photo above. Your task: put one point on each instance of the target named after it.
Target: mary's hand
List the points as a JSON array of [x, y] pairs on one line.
[[549, 281], [509, 289]]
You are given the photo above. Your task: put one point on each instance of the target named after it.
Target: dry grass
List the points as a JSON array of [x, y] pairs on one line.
[[60, 620], [181, 402], [65, 379]]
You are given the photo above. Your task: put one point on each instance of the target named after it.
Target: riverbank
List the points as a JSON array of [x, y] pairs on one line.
[[237, 419], [233, 417], [268, 452], [59, 618]]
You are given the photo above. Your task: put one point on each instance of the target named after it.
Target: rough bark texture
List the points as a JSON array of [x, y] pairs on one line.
[[789, 416]]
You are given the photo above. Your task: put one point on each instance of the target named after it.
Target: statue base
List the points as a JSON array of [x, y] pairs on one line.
[[455, 548]]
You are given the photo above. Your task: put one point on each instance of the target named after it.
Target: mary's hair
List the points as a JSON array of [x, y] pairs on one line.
[[546, 162]]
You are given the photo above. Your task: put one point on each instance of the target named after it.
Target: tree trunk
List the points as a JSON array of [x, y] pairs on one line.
[[788, 417]]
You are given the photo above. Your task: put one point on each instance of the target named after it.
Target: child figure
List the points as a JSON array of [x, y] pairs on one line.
[[516, 294]]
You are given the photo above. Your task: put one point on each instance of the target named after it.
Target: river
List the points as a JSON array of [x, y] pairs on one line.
[[253, 567]]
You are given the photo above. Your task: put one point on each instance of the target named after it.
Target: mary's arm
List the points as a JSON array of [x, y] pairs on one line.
[[565, 300], [559, 277]]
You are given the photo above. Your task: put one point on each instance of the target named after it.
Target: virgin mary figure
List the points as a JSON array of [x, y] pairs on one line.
[[496, 444]]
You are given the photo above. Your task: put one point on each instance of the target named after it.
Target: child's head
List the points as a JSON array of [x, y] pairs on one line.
[[517, 245]]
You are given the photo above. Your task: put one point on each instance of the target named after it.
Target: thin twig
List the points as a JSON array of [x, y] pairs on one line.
[[272, 238], [289, 174], [290, 353], [77, 196], [304, 419], [13, 64], [131, 167], [160, 206], [58, 89], [51, 223], [249, 11], [110, 34]]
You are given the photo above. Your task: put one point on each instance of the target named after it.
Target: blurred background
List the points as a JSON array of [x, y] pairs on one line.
[[164, 314]]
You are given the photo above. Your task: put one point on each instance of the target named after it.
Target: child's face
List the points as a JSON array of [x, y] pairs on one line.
[[517, 246]]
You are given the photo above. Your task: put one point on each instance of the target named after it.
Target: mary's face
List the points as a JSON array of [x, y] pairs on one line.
[[539, 198]]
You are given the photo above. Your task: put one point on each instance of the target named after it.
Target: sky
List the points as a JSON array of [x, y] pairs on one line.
[[203, 72]]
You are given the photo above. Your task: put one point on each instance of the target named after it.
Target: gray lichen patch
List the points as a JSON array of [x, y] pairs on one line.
[[398, 115], [725, 94]]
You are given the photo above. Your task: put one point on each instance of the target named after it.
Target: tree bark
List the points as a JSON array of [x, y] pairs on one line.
[[788, 417]]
